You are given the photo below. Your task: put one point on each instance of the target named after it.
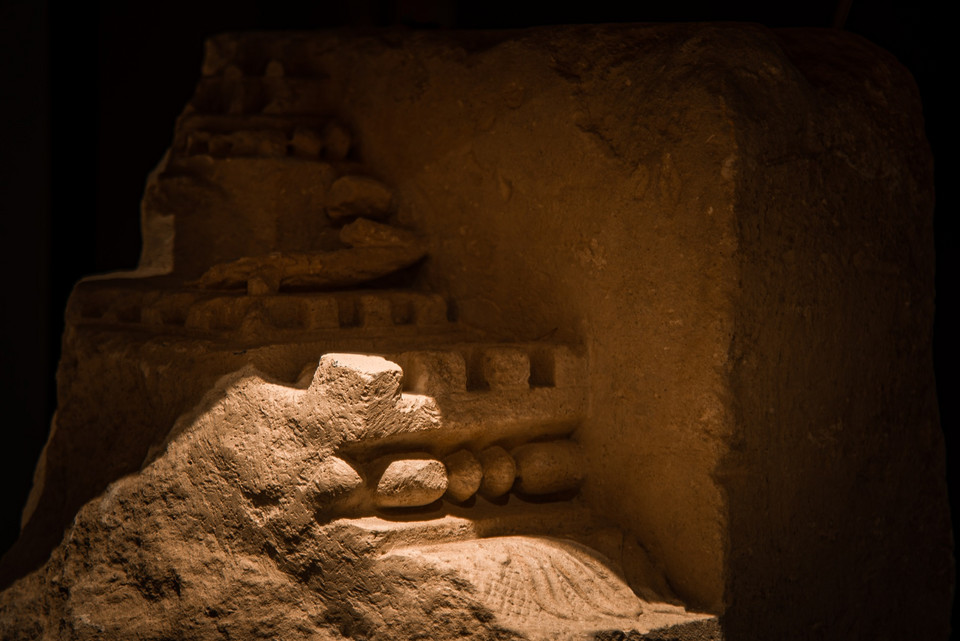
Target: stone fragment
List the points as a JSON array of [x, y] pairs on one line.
[[464, 474], [499, 472], [364, 232], [411, 482], [546, 468], [306, 143], [505, 368], [336, 141], [359, 196]]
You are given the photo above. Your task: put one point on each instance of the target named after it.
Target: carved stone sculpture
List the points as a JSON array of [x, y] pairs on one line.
[[540, 335]]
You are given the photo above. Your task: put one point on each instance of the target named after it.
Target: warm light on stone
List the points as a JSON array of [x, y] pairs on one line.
[[587, 332]]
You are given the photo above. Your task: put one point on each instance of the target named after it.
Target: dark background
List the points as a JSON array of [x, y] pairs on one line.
[[90, 92]]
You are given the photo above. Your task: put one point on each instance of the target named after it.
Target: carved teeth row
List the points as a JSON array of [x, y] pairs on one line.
[[317, 312], [419, 479], [496, 368]]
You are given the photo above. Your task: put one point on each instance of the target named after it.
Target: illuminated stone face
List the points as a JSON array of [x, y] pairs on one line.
[[540, 335]]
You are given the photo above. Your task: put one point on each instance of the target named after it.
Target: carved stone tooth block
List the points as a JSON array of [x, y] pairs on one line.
[[306, 143], [217, 314], [357, 378], [321, 313], [333, 481], [336, 141], [499, 472], [413, 481], [429, 310], [434, 373], [548, 468], [374, 311], [359, 196], [285, 312], [464, 474], [505, 368], [556, 366]]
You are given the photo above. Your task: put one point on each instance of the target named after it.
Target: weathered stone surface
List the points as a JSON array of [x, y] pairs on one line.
[[245, 523], [336, 141], [306, 142], [363, 232], [317, 270], [499, 471], [545, 468], [464, 473], [411, 482], [359, 196], [505, 367], [733, 223]]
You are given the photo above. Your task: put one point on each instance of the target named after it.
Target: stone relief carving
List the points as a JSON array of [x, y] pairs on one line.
[[406, 492]]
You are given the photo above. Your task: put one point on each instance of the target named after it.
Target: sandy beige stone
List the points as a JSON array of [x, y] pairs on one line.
[[464, 474], [545, 468], [411, 482], [359, 196], [499, 471]]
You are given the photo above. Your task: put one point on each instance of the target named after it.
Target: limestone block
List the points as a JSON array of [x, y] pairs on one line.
[[545, 468], [499, 472], [464, 474], [412, 481]]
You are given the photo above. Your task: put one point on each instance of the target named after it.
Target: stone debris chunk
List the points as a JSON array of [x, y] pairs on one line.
[[359, 196], [464, 473], [411, 482], [547, 468], [499, 472]]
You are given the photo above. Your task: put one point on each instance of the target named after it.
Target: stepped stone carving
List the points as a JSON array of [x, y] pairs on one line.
[[539, 335]]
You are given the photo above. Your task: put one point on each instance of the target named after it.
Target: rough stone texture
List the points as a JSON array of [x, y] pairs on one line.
[[464, 474], [546, 468], [733, 224], [499, 471], [411, 482], [245, 524]]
